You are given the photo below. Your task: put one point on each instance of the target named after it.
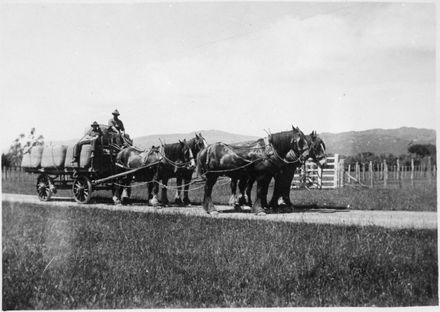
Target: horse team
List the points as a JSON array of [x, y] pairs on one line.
[[275, 157]]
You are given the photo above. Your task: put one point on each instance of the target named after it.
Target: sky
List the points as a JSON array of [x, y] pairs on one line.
[[241, 67]]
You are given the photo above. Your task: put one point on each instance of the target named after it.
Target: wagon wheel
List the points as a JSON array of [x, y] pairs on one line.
[[43, 187], [82, 189]]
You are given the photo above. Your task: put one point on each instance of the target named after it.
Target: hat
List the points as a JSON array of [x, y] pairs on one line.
[[115, 112], [95, 124]]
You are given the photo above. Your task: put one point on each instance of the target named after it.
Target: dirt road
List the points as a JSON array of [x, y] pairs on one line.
[[389, 219]]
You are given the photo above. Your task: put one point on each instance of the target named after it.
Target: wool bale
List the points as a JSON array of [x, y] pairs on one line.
[[54, 156], [32, 159], [69, 156], [84, 159]]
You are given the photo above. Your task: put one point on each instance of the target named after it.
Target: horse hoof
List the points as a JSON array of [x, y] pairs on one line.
[[154, 203]]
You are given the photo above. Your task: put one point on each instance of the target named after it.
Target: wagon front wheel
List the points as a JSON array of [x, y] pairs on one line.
[[82, 189], [43, 188]]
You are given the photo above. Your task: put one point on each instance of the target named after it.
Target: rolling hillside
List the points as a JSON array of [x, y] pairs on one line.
[[378, 141], [211, 136]]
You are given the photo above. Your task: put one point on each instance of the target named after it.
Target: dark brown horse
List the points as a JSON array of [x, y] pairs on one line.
[[131, 158], [242, 181], [220, 159], [184, 175], [177, 158], [283, 181]]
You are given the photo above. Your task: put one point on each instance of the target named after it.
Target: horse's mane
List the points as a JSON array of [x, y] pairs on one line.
[[281, 141]]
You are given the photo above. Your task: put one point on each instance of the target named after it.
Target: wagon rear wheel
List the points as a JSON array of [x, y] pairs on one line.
[[82, 189], [43, 187]]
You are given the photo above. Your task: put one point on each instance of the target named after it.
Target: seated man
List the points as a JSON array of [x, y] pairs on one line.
[[116, 125], [91, 138]]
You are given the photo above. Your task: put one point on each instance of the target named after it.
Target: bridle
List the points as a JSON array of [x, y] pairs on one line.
[[301, 158], [179, 165]]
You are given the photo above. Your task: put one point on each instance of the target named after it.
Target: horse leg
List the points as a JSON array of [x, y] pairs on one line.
[[248, 194], [285, 186], [186, 200], [125, 191], [257, 208], [120, 186], [208, 205], [164, 191], [177, 198], [276, 191], [233, 198], [242, 187], [155, 190]]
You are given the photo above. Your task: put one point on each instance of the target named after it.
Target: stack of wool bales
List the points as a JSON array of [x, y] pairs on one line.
[[55, 157]]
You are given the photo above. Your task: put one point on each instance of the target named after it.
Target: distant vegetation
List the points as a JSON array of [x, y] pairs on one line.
[[19, 147], [418, 152]]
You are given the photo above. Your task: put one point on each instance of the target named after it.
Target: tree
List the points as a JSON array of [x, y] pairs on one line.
[[423, 150], [5, 160]]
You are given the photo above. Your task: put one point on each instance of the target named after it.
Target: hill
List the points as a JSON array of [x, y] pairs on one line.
[[377, 141], [211, 136]]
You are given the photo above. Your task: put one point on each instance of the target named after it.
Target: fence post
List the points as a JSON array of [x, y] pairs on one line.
[[412, 172], [398, 172], [336, 171], [341, 172], [429, 169], [363, 171], [358, 172], [349, 174], [385, 173], [370, 170]]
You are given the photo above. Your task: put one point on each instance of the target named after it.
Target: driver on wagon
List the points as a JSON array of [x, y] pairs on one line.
[[91, 138], [116, 125]]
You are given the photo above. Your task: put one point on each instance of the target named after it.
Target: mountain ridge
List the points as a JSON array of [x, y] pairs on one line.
[[348, 143]]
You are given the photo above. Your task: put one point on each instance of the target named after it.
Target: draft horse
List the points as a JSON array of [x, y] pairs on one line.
[[283, 181], [185, 175], [220, 159], [179, 162], [131, 158]]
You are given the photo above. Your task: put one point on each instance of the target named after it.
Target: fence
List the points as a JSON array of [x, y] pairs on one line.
[[385, 174], [16, 174], [336, 174], [312, 176]]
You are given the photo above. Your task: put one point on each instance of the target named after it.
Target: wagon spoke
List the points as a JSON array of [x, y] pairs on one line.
[[82, 189]]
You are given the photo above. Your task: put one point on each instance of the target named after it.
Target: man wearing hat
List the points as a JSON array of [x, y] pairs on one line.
[[91, 138], [116, 125]]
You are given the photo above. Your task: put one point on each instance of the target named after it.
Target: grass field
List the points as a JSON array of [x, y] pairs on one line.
[[73, 258], [421, 197]]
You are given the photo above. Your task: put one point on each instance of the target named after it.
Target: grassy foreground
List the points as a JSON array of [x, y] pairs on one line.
[[421, 197], [73, 258]]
